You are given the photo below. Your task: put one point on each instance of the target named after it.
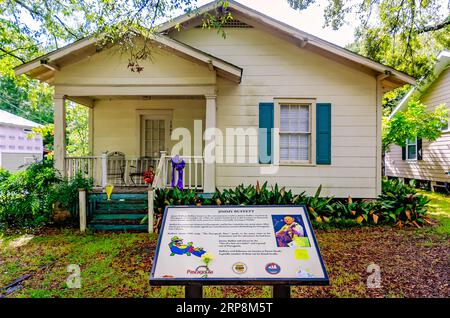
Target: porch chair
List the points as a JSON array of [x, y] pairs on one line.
[[116, 168]]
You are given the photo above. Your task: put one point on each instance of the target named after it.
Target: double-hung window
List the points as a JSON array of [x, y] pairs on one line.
[[295, 132], [411, 149]]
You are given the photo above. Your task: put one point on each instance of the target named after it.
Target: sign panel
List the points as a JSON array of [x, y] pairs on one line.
[[237, 244]]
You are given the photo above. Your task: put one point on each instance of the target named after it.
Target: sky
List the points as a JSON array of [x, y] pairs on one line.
[[311, 20]]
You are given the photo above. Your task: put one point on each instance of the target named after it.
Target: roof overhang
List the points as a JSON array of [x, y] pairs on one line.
[[302, 39], [45, 67], [443, 62]]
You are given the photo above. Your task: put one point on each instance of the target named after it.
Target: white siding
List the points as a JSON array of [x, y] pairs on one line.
[[274, 68]]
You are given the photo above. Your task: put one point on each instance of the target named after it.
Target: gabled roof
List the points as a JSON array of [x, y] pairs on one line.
[[44, 67], [14, 120], [442, 63], [303, 39]]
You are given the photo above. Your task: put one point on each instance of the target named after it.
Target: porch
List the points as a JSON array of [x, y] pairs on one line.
[[130, 136]]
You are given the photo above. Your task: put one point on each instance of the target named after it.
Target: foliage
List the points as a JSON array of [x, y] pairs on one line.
[[27, 197], [414, 121], [256, 195], [66, 191], [390, 208], [402, 205]]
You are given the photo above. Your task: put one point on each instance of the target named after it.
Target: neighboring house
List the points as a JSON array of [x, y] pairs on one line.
[[17, 150], [420, 159], [320, 103]]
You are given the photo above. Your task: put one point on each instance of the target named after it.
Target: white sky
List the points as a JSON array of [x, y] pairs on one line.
[[310, 20]]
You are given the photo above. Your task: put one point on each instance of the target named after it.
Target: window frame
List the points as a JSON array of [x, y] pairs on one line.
[[407, 150], [311, 102]]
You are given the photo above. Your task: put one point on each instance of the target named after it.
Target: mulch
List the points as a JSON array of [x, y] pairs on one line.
[[412, 264]]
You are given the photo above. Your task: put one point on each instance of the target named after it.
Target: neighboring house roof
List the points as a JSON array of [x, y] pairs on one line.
[[443, 62], [14, 120], [43, 68]]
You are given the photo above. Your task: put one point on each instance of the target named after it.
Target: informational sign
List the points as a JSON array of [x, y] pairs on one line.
[[237, 244]]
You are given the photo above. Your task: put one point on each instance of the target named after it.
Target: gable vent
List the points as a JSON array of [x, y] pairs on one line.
[[233, 24]]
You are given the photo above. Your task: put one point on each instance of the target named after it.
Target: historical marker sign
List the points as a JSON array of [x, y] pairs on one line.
[[237, 245]]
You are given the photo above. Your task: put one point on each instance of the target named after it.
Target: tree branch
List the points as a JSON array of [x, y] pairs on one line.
[[435, 27], [12, 54]]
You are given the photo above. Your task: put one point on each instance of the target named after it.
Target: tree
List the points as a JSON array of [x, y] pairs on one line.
[[414, 121]]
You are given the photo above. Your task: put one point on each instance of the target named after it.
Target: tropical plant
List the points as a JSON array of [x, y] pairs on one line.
[[400, 204]]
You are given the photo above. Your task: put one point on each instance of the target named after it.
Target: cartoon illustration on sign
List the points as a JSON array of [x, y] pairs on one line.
[[289, 230], [177, 247]]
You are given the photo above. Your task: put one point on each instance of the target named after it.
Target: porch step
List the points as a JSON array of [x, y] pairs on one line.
[[123, 212], [113, 206], [137, 211], [118, 227]]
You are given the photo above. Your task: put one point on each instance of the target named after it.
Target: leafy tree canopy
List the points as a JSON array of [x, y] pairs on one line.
[[414, 121]]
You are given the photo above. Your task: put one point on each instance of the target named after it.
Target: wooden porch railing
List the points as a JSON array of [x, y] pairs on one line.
[[128, 172]]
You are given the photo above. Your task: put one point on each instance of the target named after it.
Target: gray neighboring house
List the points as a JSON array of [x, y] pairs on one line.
[[420, 159], [17, 149]]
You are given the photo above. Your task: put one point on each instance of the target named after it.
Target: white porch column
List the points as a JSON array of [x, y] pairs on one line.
[[59, 151], [210, 167]]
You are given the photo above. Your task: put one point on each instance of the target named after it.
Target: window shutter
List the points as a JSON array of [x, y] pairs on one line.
[[404, 153], [265, 132], [419, 148], [323, 133]]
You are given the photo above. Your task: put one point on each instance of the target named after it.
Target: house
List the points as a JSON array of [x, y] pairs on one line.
[[420, 159], [17, 148], [307, 112]]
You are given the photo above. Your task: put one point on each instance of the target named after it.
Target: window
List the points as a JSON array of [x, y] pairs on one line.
[[411, 149], [295, 132]]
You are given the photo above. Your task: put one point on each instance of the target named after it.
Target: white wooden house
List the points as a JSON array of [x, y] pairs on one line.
[[320, 103], [17, 148], [421, 159]]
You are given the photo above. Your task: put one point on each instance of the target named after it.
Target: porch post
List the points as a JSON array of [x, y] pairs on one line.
[[59, 151], [210, 167]]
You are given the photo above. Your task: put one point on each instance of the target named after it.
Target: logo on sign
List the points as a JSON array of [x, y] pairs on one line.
[[239, 268], [273, 268]]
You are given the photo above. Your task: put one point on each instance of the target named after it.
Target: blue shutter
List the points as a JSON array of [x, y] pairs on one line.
[[323, 133], [265, 132]]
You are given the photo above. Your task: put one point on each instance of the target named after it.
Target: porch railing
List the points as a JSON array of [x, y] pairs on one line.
[[128, 172], [193, 173]]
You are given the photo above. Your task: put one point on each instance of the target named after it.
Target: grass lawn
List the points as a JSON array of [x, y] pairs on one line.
[[413, 262]]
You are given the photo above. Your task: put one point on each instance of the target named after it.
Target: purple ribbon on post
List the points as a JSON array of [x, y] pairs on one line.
[[178, 164]]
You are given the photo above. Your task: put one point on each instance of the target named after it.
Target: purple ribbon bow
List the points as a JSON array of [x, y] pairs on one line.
[[178, 164]]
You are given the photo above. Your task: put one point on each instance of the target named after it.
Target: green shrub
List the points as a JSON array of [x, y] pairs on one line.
[[27, 197], [398, 203]]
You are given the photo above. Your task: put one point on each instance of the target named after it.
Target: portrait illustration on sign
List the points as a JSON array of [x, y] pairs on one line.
[[290, 231]]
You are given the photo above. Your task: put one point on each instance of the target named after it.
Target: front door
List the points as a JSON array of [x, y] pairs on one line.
[[154, 135]]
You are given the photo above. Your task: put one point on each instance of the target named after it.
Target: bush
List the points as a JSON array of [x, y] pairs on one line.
[[401, 204], [27, 197], [398, 204]]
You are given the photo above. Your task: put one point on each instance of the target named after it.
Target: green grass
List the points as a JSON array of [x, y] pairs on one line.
[[439, 210], [118, 264]]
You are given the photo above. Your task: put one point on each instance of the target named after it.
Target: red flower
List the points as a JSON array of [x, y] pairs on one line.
[[149, 175]]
